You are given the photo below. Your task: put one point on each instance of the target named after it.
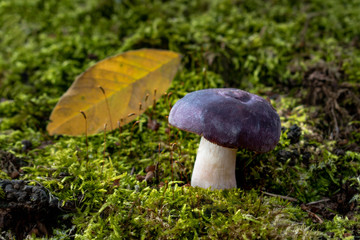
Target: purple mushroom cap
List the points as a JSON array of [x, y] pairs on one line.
[[228, 117]]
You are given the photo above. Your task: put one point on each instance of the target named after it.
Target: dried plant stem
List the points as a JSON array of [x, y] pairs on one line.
[[120, 131], [172, 160], [169, 132], [132, 130], [107, 106], [86, 136], [157, 164], [154, 104], [162, 200], [104, 152], [154, 99], [140, 109], [168, 100], [280, 196]]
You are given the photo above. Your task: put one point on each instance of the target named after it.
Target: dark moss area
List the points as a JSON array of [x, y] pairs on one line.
[[302, 55]]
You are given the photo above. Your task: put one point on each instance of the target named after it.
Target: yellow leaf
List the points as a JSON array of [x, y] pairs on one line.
[[112, 89]]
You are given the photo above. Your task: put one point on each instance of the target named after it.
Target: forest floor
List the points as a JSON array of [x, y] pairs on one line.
[[303, 56]]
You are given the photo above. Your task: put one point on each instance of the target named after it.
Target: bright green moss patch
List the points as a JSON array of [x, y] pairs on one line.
[[188, 213], [272, 48]]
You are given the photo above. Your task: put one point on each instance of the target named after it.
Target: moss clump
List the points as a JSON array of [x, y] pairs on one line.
[[141, 212]]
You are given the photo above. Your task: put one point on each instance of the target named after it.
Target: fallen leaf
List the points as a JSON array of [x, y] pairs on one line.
[[115, 90]]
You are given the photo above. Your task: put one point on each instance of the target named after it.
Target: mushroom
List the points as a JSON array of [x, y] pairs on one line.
[[227, 119]]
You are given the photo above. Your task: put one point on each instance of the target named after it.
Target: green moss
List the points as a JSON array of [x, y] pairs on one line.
[[262, 47], [188, 213]]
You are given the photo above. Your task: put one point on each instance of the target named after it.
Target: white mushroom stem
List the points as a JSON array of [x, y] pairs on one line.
[[214, 166]]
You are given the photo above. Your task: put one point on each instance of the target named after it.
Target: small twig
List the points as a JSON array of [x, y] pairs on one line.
[[281, 196], [349, 85], [311, 214], [132, 171], [319, 201]]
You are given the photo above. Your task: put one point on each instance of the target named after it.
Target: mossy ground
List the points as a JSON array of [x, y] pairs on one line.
[[276, 49]]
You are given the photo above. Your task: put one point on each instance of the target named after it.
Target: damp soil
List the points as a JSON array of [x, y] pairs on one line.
[[339, 203], [337, 118], [337, 101], [11, 164], [25, 208], [29, 210]]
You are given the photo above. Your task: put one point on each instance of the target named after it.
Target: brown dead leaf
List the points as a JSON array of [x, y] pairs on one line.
[[111, 90]]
